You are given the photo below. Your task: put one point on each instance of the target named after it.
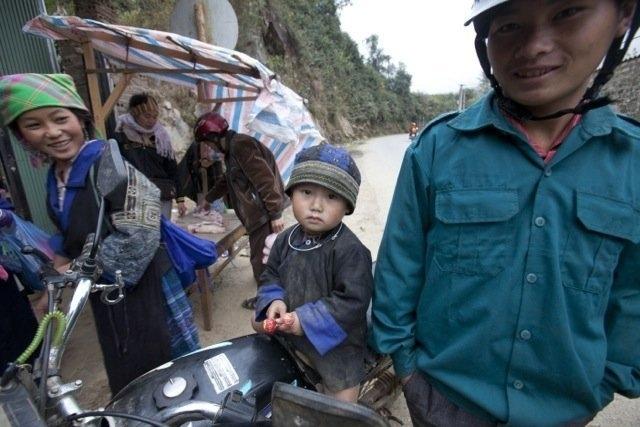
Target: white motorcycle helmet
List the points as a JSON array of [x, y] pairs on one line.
[[590, 100], [481, 6]]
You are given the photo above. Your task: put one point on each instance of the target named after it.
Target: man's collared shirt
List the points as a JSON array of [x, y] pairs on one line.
[[513, 283]]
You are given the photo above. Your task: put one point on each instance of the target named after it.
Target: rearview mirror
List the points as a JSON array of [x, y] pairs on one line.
[[112, 178], [293, 405]]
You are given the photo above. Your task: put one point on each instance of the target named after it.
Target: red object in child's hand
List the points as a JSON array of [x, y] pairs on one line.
[[269, 326]]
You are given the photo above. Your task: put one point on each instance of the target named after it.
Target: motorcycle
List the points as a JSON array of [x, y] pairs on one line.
[[251, 380]]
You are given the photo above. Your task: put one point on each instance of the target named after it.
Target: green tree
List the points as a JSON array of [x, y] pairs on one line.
[[483, 85], [342, 3], [400, 83], [376, 57], [59, 7], [135, 13]]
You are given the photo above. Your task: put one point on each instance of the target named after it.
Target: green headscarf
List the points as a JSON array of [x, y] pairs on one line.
[[20, 93]]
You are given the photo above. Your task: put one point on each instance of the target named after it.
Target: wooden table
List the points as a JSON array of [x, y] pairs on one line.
[[229, 244]]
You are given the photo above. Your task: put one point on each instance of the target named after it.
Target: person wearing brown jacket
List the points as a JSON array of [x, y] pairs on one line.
[[252, 182]]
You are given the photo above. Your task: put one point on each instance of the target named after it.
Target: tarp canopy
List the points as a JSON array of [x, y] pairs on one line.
[[252, 99]]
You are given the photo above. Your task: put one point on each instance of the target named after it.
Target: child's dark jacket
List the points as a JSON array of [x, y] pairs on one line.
[[330, 289]]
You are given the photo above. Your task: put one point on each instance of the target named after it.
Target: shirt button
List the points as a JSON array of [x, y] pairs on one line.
[[518, 385], [540, 221], [525, 334], [532, 278], [547, 172]]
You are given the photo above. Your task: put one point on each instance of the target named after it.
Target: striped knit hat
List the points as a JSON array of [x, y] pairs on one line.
[[20, 93], [330, 167]]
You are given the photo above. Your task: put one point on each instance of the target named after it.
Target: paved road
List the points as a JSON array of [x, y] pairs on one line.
[[379, 160]]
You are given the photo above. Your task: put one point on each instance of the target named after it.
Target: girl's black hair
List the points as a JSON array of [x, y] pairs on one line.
[[86, 119]]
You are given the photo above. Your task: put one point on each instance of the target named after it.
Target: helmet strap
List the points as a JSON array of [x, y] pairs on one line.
[[520, 112], [483, 56]]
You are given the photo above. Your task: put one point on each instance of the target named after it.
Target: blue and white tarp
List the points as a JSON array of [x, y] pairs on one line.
[[253, 100]]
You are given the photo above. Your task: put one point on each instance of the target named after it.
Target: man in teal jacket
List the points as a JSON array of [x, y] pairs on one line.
[[507, 287]]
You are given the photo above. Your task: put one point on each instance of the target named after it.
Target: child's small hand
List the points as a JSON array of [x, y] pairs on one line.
[[290, 324], [276, 309]]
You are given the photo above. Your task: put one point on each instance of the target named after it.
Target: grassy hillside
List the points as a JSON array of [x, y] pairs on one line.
[[347, 96]]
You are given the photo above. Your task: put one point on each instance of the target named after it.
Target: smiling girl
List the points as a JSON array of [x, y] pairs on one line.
[[154, 322]]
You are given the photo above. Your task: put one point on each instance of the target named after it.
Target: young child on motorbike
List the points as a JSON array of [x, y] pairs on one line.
[[154, 323], [507, 287], [317, 282]]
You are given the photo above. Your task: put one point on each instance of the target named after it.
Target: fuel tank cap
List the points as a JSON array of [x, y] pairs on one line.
[[178, 388], [174, 387]]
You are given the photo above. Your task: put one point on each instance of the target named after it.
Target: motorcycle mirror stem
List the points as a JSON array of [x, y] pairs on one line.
[[89, 265], [111, 160], [83, 289]]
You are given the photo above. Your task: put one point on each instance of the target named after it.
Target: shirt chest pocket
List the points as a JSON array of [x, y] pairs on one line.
[[475, 229], [603, 226]]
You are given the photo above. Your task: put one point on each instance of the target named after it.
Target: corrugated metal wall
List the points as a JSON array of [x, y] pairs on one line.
[[21, 53]]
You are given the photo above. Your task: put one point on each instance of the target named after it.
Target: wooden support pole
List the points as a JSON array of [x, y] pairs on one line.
[[94, 88], [205, 304], [116, 94], [201, 33], [198, 11]]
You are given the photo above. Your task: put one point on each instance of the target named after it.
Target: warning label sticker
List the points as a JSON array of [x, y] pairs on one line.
[[221, 373]]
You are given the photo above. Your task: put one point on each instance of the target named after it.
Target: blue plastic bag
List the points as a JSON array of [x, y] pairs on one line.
[[187, 252], [15, 233]]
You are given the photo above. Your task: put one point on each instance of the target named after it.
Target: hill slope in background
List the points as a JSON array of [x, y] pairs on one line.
[[350, 96], [302, 42]]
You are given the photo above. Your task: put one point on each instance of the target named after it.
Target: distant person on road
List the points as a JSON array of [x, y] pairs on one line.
[[146, 144], [413, 130], [252, 181], [507, 287], [319, 273]]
